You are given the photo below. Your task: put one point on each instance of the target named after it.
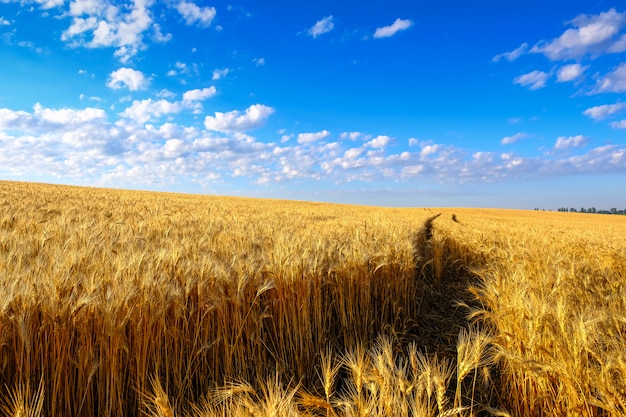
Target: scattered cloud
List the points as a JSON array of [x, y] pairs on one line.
[[67, 116], [322, 26], [619, 125], [397, 26], [82, 144], [127, 78], [305, 138], [429, 150], [350, 135], [165, 93], [614, 82], [569, 142], [533, 80], [158, 36], [49, 4], [141, 111], [513, 55], [234, 121], [4, 22], [591, 35], [507, 140], [570, 72], [603, 111], [378, 142], [102, 25], [199, 94], [259, 61], [193, 14], [220, 73]]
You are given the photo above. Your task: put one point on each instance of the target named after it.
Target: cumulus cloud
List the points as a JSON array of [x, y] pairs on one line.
[[570, 72], [619, 125], [193, 14], [304, 138], [429, 150], [102, 25], [397, 26], [591, 35], [603, 111], [67, 116], [199, 94], [45, 119], [378, 142], [563, 142], [141, 111], [83, 146], [614, 82], [259, 62], [322, 26], [4, 22], [350, 135], [507, 140], [533, 80], [234, 121], [158, 36], [513, 55], [220, 73], [127, 78]]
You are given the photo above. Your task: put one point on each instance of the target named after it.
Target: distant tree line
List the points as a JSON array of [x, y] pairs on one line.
[[591, 210]]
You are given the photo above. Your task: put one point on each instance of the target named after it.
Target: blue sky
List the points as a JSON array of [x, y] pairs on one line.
[[394, 103]]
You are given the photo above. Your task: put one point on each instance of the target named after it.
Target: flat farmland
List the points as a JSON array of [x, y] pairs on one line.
[[129, 303]]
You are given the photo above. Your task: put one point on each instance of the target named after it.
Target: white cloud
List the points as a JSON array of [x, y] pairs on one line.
[[413, 141], [570, 72], [4, 22], [350, 135], [513, 55], [158, 36], [304, 138], [397, 26], [202, 16], [322, 26], [49, 4], [563, 142], [68, 116], [220, 73], [429, 150], [87, 7], [507, 140], [614, 82], [127, 78], [619, 125], [618, 46], [101, 25], [165, 93], [259, 61], [81, 146], [592, 34], [144, 110], [533, 80], [378, 142], [601, 112], [234, 121], [199, 94]]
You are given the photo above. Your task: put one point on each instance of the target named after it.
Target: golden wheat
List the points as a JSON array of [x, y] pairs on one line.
[[123, 303]]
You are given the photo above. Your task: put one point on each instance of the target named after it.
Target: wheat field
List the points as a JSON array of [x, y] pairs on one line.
[[128, 303]]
